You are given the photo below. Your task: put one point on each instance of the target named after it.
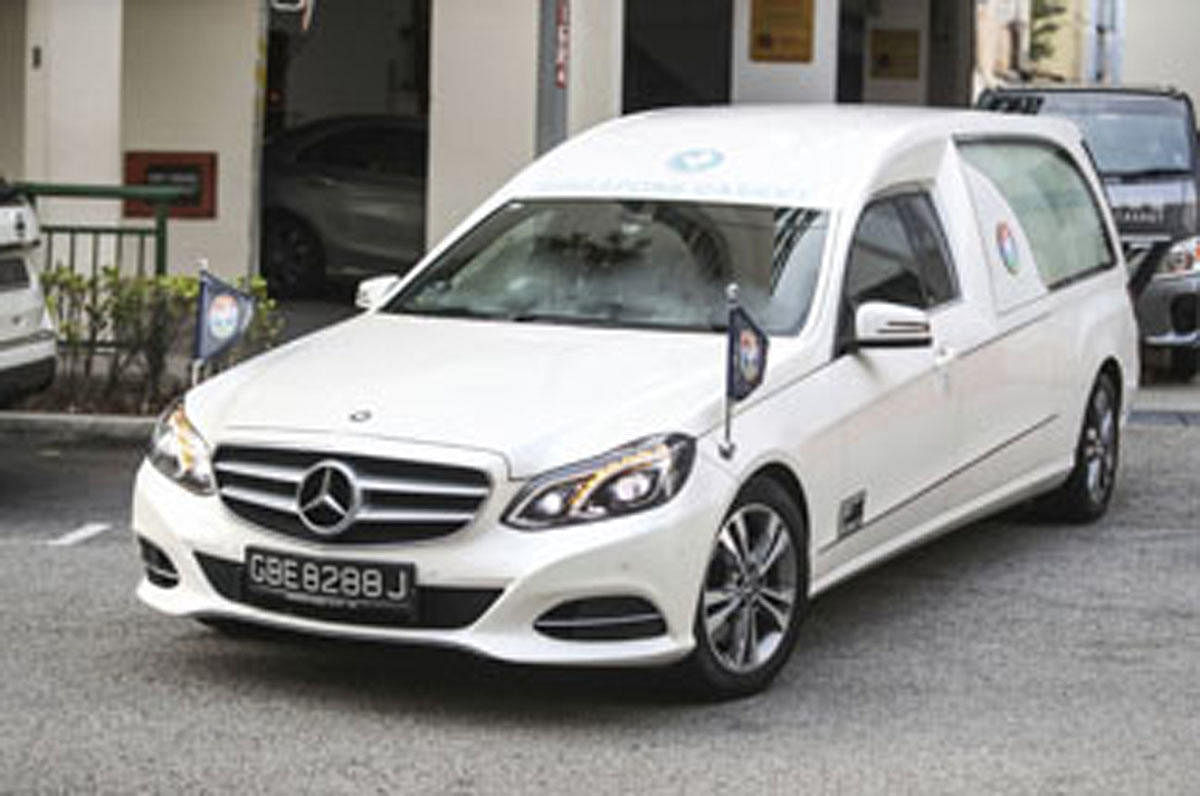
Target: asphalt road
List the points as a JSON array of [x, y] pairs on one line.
[[1008, 657]]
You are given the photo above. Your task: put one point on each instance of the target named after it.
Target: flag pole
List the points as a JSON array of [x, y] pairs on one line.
[[727, 448]]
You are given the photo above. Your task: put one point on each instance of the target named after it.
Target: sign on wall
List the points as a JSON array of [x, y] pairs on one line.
[[895, 54], [781, 30], [196, 170]]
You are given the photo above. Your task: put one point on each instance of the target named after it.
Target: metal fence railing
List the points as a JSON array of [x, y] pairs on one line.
[[91, 245]]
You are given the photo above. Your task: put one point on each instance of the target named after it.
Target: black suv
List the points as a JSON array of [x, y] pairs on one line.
[[1145, 146]]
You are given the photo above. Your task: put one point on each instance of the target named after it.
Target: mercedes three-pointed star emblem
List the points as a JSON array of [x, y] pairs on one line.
[[328, 498]]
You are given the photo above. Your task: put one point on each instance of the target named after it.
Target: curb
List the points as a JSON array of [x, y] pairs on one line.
[[58, 427], [1164, 417]]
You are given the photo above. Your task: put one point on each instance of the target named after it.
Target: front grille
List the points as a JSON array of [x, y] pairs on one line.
[[13, 275], [438, 607], [401, 500]]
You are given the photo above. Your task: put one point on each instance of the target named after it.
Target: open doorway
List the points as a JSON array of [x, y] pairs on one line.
[[910, 52], [345, 145], [677, 52]]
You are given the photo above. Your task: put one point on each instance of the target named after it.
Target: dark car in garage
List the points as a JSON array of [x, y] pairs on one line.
[[343, 199]]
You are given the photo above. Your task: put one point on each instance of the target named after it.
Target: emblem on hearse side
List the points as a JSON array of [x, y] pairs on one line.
[[1007, 243]]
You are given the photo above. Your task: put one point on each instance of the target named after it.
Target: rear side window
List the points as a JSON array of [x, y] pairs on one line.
[[1053, 203], [382, 150], [899, 255]]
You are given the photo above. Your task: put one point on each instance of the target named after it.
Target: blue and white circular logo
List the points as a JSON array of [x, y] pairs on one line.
[[223, 317], [694, 160], [750, 356]]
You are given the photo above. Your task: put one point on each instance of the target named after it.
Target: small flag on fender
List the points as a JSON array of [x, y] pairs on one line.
[[222, 314], [747, 355]]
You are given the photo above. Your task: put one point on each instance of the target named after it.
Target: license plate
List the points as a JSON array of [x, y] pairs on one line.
[[334, 584]]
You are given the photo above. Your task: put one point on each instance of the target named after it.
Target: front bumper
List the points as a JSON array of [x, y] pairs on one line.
[[27, 364], [1168, 312], [658, 556]]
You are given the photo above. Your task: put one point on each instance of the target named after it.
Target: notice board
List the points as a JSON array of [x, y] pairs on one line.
[[781, 30]]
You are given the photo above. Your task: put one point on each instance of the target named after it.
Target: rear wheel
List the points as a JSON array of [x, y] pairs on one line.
[[1086, 494], [754, 596], [293, 261], [1184, 363]]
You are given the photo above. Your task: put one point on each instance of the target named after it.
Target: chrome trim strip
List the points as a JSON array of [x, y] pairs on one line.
[[264, 499], [266, 472], [368, 514], [404, 486], [598, 621], [942, 481]]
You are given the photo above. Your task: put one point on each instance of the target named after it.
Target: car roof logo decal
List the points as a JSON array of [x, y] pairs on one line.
[[696, 160]]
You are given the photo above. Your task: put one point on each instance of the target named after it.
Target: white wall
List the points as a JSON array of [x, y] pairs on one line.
[[755, 81], [898, 15], [189, 85], [73, 102], [13, 57], [483, 105], [1160, 44], [596, 62]]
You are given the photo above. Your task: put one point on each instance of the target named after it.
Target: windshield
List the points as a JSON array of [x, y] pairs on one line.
[[627, 264], [1130, 135]]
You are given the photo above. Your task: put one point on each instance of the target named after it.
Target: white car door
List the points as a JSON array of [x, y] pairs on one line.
[[896, 433]]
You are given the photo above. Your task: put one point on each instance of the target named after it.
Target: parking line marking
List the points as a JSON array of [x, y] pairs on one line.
[[80, 534]]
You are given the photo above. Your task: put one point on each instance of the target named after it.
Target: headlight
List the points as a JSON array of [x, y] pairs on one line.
[[638, 476], [180, 453], [1183, 258]]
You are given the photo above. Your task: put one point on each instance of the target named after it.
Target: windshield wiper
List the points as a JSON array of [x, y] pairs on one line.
[[450, 311], [1146, 174]]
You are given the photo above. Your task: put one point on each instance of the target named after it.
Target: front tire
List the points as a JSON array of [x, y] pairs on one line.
[[1086, 494], [754, 595]]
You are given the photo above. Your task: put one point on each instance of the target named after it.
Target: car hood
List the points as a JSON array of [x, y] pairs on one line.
[[1157, 207], [539, 395]]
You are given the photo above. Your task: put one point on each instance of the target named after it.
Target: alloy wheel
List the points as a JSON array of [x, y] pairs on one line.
[[750, 589], [1100, 446]]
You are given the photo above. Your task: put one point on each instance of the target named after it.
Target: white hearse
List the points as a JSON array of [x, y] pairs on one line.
[[521, 448], [27, 336]]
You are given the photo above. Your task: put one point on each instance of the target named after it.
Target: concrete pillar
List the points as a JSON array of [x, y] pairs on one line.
[[13, 58], [73, 101], [596, 61], [482, 103]]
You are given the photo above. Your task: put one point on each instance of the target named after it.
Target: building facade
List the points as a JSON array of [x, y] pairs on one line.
[[89, 86]]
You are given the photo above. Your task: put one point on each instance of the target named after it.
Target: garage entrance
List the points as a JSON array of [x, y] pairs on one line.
[[677, 52], [917, 52], [345, 143]]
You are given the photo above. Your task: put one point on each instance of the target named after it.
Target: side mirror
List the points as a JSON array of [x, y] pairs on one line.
[[371, 292], [879, 324]]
